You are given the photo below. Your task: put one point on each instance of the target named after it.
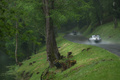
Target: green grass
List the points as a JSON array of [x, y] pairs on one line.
[[106, 31], [94, 64]]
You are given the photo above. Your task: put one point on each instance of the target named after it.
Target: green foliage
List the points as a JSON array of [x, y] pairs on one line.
[[31, 20], [29, 16]]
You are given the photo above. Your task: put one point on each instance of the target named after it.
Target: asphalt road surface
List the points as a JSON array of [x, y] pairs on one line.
[[114, 48]]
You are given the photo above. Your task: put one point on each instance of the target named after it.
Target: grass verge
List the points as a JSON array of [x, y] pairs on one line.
[[92, 64]]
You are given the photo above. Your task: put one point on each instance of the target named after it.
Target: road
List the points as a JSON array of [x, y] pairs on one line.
[[114, 48]]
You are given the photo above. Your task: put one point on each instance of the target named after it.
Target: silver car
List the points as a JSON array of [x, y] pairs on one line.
[[95, 38]]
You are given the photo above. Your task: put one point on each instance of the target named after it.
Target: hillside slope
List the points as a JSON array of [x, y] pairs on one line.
[[93, 63]]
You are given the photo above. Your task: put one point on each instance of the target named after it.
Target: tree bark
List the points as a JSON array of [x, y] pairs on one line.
[[16, 44], [56, 52], [52, 50]]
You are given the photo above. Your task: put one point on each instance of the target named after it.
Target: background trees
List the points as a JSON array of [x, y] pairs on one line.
[[30, 18], [29, 33]]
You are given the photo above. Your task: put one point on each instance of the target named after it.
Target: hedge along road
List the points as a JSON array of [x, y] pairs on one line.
[[79, 38]]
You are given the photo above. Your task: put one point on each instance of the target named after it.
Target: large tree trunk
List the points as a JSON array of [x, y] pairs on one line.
[[56, 52], [52, 50], [16, 44]]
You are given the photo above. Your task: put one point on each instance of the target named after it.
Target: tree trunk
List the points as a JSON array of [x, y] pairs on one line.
[[115, 22], [56, 52], [115, 15], [16, 44], [52, 50]]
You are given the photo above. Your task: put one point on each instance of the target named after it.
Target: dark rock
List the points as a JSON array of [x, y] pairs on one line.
[[34, 61], [57, 64], [110, 59], [37, 72], [30, 63], [69, 53], [28, 58], [70, 56], [62, 57], [96, 62], [83, 50], [88, 49], [70, 62]]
